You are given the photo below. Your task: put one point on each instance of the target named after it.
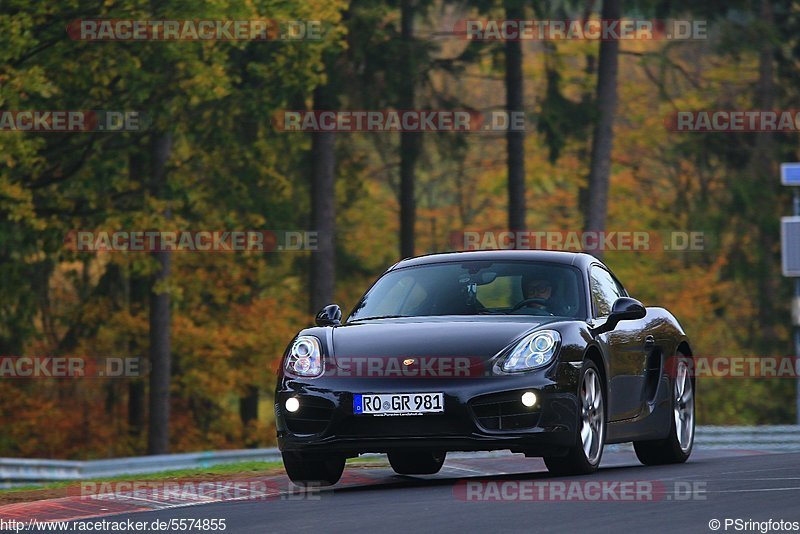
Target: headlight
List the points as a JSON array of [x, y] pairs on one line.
[[536, 350], [305, 357]]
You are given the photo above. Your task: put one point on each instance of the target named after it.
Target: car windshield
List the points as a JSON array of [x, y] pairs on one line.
[[475, 288]]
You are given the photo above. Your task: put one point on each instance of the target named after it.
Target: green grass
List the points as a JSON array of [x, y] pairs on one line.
[[217, 469]]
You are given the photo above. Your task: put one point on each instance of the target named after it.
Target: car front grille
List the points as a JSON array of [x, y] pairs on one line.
[[504, 411]]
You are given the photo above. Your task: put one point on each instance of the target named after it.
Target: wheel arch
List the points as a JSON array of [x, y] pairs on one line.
[[684, 349], [594, 355]]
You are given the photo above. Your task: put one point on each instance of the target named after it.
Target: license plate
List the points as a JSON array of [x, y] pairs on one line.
[[398, 403]]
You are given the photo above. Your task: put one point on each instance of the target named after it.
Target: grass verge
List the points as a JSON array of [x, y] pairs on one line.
[[237, 470]]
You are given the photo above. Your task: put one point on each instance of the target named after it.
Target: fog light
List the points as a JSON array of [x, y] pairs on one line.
[[292, 404], [529, 398]]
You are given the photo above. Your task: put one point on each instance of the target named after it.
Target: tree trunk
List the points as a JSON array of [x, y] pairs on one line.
[[409, 141], [583, 190], [764, 172], [248, 411], [515, 140], [136, 292], [602, 142], [248, 405], [135, 407], [323, 209], [160, 355]]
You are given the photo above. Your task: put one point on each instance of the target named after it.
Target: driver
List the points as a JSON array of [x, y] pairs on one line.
[[539, 288]]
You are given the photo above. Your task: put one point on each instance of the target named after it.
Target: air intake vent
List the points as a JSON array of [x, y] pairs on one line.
[[313, 416], [504, 411]]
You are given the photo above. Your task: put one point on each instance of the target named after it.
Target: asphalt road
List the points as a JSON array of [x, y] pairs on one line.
[[680, 498]]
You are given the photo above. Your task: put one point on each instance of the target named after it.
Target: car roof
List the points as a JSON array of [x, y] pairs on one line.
[[578, 259]]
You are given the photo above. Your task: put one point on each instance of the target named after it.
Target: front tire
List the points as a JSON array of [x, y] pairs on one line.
[[584, 457], [677, 446], [306, 469], [416, 463]]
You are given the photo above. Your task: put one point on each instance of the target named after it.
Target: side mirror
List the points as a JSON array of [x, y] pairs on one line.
[[330, 315], [627, 309], [623, 309]]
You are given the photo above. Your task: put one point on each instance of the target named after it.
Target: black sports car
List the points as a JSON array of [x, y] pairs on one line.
[[542, 353]]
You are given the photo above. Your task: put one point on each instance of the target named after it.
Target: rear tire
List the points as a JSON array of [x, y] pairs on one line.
[[416, 463], [677, 446], [584, 457], [307, 469]]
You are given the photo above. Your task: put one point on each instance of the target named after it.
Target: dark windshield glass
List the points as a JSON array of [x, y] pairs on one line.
[[475, 288]]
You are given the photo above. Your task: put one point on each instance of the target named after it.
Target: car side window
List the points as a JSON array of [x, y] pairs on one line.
[[604, 289], [620, 288]]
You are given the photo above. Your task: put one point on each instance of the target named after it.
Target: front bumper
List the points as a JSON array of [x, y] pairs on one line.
[[479, 414]]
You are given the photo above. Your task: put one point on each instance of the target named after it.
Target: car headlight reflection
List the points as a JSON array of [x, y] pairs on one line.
[[535, 350], [305, 357]]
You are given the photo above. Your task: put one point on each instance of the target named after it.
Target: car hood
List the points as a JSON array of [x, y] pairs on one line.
[[479, 339]]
